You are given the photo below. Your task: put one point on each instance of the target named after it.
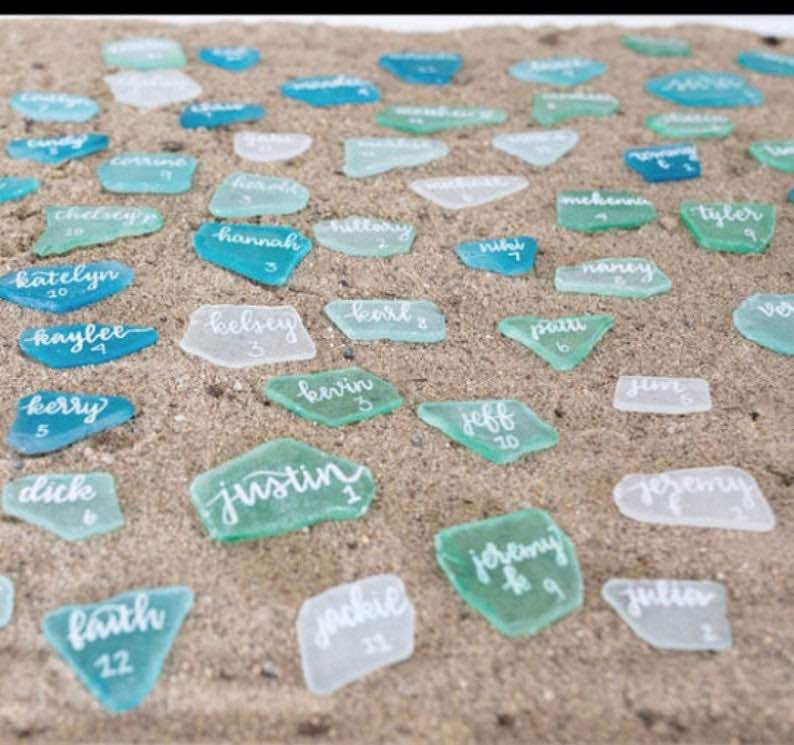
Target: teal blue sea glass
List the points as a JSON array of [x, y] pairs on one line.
[[43, 106], [16, 188], [767, 63], [511, 255], [53, 151], [147, 173], [675, 162], [235, 59], [211, 114], [702, 88], [331, 90], [422, 68]]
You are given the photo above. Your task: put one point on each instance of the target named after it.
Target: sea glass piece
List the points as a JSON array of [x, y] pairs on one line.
[[117, 647], [250, 195], [422, 68], [675, 162], [590, 210], [334, 397], [684, 124], [777, 154], [549, 108], [12, 188], [268, 254], [712, 497], [518, 570], [512, 255], [391, 320], [44, 106], [500, 431], [53, 151], [63, 288], [72, 506], [621, 276], [368, 156], [268, 147], [79, 344], [235, 59], [767, 320], [353, 629], [657, 46], [74, 226], [767, 63], [565, 71], [331, 90], [143, 53], [684, 615], [278, 487], [246, 335], [428, 119], [153, 89], [211, 114], [147, 173], [562, 342], [459, 192], [51, 420], [364, 236], [654, 395], [702, 88], [539, 148], [6, 600], [743, 227]]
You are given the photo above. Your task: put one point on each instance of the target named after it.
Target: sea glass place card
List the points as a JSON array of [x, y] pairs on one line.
[[250, 195], [53, 151], [657, 46], [233, 58], [767, 63], [6, 600], [334, 397], [566, 71], [768, 320], [245, 335], [428, 119], [510, 255], [269, 147], [681, 124], [623, 276], [683, 615], [368, 156], [354, 629], [72, 506], [422, 68], [711, 497], [743, 227], [147, 173], [212, 114], [117, 647], [590, 211], [331, 90], [549, 108], [562, 342], [702, 88], [153, 89], [144, 53], [654, 395], [50, 420], [278, 487], [267, 254], [74, 226], [460, 192], [518, 570], [539, 148], [64, 288], [45, 106], [675, 162], [364, 236], [778, 154], [417, 321], [12, 188]]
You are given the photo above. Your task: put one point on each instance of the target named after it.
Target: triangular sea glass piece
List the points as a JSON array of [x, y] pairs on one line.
[[422, 68], [539, 148], [511, 255], [459, 192]]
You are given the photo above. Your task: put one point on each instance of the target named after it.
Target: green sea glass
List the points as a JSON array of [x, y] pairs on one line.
[[743, 227], [499, 430], [777, 154], [334, 397], [767, 320], [278, 487], [590, 211], [651, 46], [680, 125], [363, 236], [429, 119], [562, 342], [622, 276], [518, 570], [551, 107]]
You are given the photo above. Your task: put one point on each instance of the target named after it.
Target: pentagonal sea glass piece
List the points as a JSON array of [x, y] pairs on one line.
[[153, 89], [363, 236], [352, 630], [655, 46], [512, 255], [702, 88], [422, 68], [685, 124], [250, 195], [12, 188], [334, 397], [684, 615], [235, 59], [562, 342], [518, 570], [55, 150], [429, 119], [655, 395], [117, 647], [72, 506], [459, 192], [590, 211], [268, 147], [539, 148], [44, 106], [278, 487], [211, 114], [621, 276], [392, 320], [147, 173], [777, 154], [367, 156], [743, 227], [767, 63], [246, 335], [549, 108], [6, 600], [331, 90], [144, 53], [767, 320], [565, 71], [664, 162]]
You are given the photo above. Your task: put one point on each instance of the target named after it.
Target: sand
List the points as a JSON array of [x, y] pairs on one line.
[[234, 673]]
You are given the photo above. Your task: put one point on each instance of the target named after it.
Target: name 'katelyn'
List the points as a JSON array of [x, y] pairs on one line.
[[665, 594], [30, 278]]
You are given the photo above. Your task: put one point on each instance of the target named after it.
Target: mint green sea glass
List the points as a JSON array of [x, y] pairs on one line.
[[518, 570], [368, 156], [429, 119], [249, 195], [767, 320], [363, 236], [777, 154], [651, 46], [334, 397], [72, 506], [6, 600], [684, 125], [499, 430], [551, 107], [75, 226], [279, 486], [741, 227], [147, 173], [145, 53], [621, 276], [562, 342], [590, 211]]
